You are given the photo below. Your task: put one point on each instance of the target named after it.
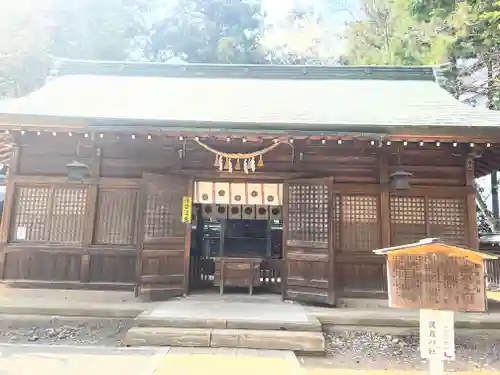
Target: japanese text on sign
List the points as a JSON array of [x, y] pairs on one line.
[[437, 335], [187, 209], [436, 281]]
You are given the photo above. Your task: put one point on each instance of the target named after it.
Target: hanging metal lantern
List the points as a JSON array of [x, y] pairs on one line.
[[76, 171], [400, 180]]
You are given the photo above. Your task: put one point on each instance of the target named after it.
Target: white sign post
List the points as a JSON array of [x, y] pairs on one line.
[[437, 338]]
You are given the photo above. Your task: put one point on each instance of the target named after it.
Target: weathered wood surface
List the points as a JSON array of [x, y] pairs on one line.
[[436, 281], [237, 272], [364, 214]]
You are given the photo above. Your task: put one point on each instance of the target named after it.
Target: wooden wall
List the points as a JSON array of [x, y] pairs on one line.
[[85, 233]]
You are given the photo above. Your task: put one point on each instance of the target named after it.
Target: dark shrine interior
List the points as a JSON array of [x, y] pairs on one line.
[[216, 237], [228, 234]]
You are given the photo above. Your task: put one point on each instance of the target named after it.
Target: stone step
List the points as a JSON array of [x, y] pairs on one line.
[[297, 341], [312, 324]]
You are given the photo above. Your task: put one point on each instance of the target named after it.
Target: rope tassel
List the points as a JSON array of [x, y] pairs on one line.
[[224, 161]]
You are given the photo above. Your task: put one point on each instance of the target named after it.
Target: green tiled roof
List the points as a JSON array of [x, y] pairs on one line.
[[259, 97]]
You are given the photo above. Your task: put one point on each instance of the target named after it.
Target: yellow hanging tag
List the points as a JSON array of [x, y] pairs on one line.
[[227, 166], [260, 163], [237, 165]]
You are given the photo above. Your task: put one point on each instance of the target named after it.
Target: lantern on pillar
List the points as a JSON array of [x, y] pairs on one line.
[[400, 180], [76, 171]]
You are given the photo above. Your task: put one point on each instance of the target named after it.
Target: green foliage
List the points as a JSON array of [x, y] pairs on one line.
[[421, 32], [209, 31], [390, 36]]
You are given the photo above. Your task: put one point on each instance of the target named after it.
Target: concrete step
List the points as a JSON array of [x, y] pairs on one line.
[[312, 324], [298, 341]]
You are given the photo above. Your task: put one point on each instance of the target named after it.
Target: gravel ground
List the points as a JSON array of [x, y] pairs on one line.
[[367, 350], [346, 349], [107, 332]]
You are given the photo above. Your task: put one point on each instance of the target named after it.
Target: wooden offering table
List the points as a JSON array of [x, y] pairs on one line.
[[239, 272]]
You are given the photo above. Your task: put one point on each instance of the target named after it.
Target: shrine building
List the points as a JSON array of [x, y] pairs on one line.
[[174, 179]]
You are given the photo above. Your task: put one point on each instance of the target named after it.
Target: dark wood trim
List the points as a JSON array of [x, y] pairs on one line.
[[41, 284], [379, 294], [105, 182], [90, 218], [358, 257], [141, 209], [332, 277], [436, 192], [3, 255], [9, 197], [384, 217], [187, 243], [8, 211], [284, 271], [472, 235], [85, 268]]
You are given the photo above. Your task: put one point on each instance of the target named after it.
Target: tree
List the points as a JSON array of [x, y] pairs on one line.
[[388, 35], [95, 29], [301, 37], [24, 61], [209, 31], [474, 51], [87, 29]]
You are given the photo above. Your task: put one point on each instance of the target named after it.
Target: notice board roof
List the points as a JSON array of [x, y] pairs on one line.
[[433, 245]]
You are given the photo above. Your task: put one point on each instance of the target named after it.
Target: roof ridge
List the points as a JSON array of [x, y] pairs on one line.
[[63, 66]]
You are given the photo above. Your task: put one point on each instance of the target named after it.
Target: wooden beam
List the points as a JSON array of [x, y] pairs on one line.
[[472, 235], [385, 217], [8, 205]]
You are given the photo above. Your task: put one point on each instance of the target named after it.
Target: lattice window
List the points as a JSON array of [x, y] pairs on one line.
[[447, 219], [359, 223], [336, 221], [116, 217], [163, 215], [31, 212], [407, 219], [68, 215], [52, 214], [308, 213]]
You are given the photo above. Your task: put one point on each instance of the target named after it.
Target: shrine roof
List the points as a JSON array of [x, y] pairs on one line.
[[432, 244], [379, 99]]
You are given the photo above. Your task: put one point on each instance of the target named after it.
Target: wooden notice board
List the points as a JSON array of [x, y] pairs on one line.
[[436, 281], [434, 275]]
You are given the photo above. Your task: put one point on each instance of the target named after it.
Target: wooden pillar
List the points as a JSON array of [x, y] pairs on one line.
[[385, 216], [90, 218], [8, 206], [472, 235], [494, 199]]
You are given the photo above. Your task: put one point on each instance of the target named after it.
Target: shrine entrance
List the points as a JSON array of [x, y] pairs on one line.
[[236, 237], [284, 246]]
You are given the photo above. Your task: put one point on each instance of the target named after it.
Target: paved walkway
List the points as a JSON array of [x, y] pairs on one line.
[[78, 360], [112, 304]]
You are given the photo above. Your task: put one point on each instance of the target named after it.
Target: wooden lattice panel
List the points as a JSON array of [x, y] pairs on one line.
[[31, 211], [336, 221], [436, 281], [163, 215], [447, 219], [308, 215], [116, 217], [359, 223], [67, 219], [407, 219]]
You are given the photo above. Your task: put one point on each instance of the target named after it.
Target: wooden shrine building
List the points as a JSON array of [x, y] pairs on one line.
[[170, 179]]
